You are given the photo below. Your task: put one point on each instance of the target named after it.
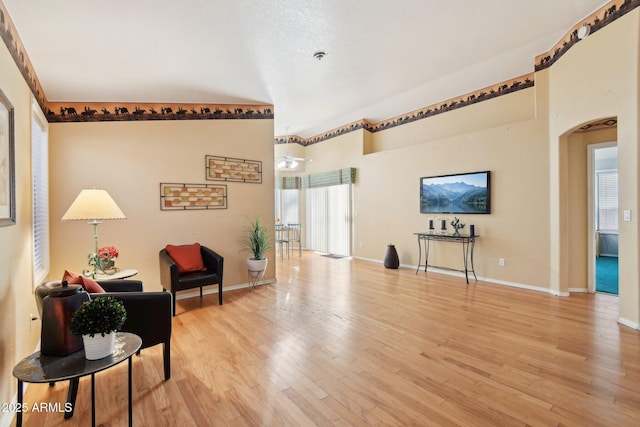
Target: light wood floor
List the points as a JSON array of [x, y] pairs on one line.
[[347, 342]]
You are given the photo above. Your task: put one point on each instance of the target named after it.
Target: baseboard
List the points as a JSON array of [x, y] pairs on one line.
[[628, 323], [579, 291], [484, 279], [196, 293]]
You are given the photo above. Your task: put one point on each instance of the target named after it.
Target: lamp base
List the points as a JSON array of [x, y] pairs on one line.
[[100, 266]]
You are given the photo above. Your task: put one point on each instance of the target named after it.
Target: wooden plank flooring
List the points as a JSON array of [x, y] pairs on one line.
[[348, 342]]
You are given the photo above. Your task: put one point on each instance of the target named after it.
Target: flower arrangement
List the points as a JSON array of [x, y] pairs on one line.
[[103, 261], [110, 252]]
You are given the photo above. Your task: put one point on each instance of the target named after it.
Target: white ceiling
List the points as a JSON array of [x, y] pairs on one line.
[[384, 57]]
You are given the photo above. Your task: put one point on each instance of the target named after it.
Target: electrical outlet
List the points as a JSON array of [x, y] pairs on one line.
[[31, 319], [501, 262]]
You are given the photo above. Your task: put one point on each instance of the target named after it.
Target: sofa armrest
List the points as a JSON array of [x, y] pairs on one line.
[[149, 315], [121, 285]]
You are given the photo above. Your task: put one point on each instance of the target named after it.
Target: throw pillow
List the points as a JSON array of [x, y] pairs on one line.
[[188, 257], [87, 283], [92, 286], [72, 277]]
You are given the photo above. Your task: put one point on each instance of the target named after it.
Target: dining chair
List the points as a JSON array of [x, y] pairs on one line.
[[294, 236], [282, 239]]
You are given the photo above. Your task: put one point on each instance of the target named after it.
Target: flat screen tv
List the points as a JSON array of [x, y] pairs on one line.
[[464, 193]]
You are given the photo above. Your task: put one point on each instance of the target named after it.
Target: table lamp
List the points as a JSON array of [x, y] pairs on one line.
[[93, 205]]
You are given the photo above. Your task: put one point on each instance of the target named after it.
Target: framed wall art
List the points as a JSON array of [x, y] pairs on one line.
[[184, 197], [7, 163], [233, 170]]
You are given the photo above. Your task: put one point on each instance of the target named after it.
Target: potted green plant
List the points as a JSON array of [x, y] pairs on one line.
[[257, 242], [97, 321]]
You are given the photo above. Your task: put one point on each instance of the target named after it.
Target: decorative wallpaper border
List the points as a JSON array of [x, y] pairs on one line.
[[611, 11], [11, 39], [490, 92], [484, 94], [597, 20], [58, 112], [598, 125], [95, 112]]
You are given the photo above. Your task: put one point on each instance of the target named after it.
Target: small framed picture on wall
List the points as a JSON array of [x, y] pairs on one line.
[[7, 163]]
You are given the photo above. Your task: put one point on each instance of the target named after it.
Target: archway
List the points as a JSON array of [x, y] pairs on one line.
[[577, 244]]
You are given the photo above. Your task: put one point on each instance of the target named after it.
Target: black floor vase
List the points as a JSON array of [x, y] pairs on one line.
[[391, 257]]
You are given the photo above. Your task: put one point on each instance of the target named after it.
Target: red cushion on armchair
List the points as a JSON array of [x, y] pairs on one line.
[[188, 257]]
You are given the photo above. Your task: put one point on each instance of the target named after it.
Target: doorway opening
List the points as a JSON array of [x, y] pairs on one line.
[[604, 173]]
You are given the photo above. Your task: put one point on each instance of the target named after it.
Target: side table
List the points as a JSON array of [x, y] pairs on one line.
[[120, 274], [38, 368]]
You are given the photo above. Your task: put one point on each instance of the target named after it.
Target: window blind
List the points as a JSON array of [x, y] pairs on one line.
[[328, 219], [327, 179], [40, 192], [607, 200]]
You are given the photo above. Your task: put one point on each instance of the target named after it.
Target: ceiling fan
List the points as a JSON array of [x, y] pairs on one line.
[[288, 161]]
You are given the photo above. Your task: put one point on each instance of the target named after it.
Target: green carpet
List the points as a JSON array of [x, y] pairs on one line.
[[607, 274]]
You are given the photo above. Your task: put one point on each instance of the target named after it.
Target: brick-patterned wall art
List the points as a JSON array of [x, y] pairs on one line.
[[183, 197], [233, 170]]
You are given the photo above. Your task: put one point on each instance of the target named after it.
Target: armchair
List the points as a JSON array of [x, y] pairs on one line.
[[173, 280], [148, 316]]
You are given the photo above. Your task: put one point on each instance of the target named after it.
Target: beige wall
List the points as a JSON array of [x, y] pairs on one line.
[[502, 135], [130, 160], [16, 278], [597, 78], [388, 209]]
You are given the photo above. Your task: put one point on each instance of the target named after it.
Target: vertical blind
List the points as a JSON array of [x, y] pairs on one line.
[[327, 213], [40, 192], [328, 219], [607, 199]]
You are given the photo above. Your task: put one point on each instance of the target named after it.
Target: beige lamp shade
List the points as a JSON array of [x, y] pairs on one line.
[[93, 204]]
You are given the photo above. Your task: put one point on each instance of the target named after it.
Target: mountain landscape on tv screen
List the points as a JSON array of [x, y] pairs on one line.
[[453, 197]]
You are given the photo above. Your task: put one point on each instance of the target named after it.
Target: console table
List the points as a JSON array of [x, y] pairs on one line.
[[39, 368], [468, 244]]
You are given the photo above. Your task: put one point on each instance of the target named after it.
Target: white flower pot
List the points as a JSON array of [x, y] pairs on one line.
[[256, 265], [98, 346]]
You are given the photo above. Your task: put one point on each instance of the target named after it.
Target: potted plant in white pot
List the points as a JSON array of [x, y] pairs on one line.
[[97, 321], [257, 243]]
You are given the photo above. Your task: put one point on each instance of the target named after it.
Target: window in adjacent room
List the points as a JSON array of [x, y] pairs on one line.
[[607, 200], [287, 203]]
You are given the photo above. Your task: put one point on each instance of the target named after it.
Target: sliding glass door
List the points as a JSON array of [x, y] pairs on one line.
[[328, 219]]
